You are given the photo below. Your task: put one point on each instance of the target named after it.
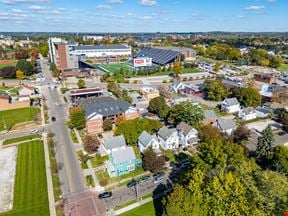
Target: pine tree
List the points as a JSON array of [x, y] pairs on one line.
[[265, 143]]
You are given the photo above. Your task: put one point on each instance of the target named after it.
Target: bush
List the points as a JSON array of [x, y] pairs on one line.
[[103, 182], [64, 90]]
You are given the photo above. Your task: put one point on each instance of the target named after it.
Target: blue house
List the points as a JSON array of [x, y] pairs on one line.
[[122, 161]]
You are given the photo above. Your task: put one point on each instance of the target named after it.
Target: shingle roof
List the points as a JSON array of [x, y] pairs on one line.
[[123, 155], [165, 132], [184, 128], [225, 124], [100, 47], [248, 110], [145, 138], [210, 114], [106, 108], [114, 142], [232, 101]]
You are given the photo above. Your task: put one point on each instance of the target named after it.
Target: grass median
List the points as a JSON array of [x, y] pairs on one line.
[[21, 139]]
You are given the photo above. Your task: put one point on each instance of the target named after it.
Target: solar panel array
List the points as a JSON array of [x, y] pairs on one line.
[[159, 56]]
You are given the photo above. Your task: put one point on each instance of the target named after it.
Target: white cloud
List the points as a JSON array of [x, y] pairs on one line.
[[114, 1], [103, 7], [145, 17], [255, 8], [148, 2], [36, 8], [22, 1]]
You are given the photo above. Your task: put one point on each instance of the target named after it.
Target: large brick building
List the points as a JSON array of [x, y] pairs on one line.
[[106, 108]]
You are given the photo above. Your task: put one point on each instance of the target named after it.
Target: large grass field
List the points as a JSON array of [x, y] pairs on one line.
[[15, 116], [113, 68], [30, 190]]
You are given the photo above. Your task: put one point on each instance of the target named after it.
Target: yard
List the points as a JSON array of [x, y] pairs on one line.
[[148, 208], [15, 116], [30, 190], [283, 68], [9, 90], [21, 139], [98, 160]]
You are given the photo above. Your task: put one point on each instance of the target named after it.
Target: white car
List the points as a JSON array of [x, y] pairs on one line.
[[34, 131]]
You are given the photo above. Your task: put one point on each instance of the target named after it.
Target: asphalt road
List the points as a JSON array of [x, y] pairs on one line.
[[70, 173]]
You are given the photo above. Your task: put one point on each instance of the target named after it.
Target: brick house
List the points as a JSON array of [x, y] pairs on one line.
[[110, 109]]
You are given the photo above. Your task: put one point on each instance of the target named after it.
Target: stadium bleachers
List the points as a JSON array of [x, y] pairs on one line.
[[159, 56]]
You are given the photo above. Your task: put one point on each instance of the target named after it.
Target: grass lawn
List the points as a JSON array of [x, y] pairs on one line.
[[30, 190], [15, 116], [90, 181], [113, 68], [98, 160], [283, 67], [73, 136], [170, 155], [20, 139], [10, 90], [147, 209]]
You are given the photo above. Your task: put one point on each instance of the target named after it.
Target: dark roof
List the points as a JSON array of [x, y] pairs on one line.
[[92, 100], [159, 56], [114, 142], [184, 128], [106, 108], [100, 47]]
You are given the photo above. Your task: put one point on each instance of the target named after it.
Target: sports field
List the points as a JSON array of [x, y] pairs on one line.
[[5, 63], [114, 68], [30, 189]]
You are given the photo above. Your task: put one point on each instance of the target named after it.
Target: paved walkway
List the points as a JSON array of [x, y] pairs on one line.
[[132, 206], [49, 178], [18, 143]]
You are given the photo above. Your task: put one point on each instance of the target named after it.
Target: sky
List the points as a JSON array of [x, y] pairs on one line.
[[143, 15]]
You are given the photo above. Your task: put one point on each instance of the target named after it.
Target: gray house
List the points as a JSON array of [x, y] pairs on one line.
[[226, 125], [146, 140], [112, 144]]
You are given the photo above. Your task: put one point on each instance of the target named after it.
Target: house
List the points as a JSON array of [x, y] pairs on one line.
[[168, 138], [122, 161], [230, 105], [209, 117], [26, 90], [176, 86], [187, 135], [247, 114], [261, 112], [149, 93], [190, 89], [103, 109], [7, 102], [112, 144], [265, 78], [146, 140], [225, 125]]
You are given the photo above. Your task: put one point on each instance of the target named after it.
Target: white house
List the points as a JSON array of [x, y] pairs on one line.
[[168, 138], [146, 140], [112, 144], [176, 86], [230, 105], [26, 90], [262, 112], [187, 135], [227, 126], [247, 114]]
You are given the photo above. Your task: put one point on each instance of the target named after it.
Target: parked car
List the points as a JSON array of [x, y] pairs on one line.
[[34, 131], [158, 179], [159, 174], [132, 183], [144, 179], [105, 195], [53, 119]]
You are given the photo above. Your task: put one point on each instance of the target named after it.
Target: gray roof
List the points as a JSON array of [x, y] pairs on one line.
[[184, 128], [123, 155], [262, 110], [100, 47], [165, 132], [114, 142], [145, 138], [210, 114], [225, 124], [193, 140], [106, 108], [232, 101], [248, 110]]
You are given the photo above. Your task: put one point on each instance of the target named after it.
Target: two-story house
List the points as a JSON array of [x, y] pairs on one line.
[[230, 105], [145, 141], [168, 138], [247, 114], [122, 161], [227, 126], [112, 144], [209, 117], [187, 135]]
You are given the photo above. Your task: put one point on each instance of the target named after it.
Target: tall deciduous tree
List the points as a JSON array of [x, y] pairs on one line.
[[81, 84], [77, 118], [186, 112], [91, 143], [265, 143], [215, 90], [248, 97], [152, 162], [25, 66], [158, 106], [20, 74], [177, 68]]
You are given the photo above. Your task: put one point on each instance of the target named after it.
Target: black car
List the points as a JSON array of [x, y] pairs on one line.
[[105, 195], [132, 183], [53, 119], [144, 179]]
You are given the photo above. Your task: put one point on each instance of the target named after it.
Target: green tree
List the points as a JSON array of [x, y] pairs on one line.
[[81, 84], [158, 106], [279, 160], [91, 143], [217, 67], [132, 129], [107, 125], [186, 112], [215, 90], [25, 66], [275, 61], [248, 97], [152, 162], [177, 68], [265, 143], [77, 118], [20, 74], [283, 118]]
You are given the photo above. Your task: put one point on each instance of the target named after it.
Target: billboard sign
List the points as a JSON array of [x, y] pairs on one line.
[[142, 62]]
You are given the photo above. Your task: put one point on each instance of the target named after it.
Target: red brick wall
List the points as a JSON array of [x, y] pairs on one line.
[[94, 126], [62, 58], [5, 105]]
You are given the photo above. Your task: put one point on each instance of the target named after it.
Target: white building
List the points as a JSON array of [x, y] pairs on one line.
[[227, 126], [93, 37], [230, 105], [26, 90], [146, 141], [176, 86], [102, 51], [247, 114], [112, 144], [187, 135], [168, 138]]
